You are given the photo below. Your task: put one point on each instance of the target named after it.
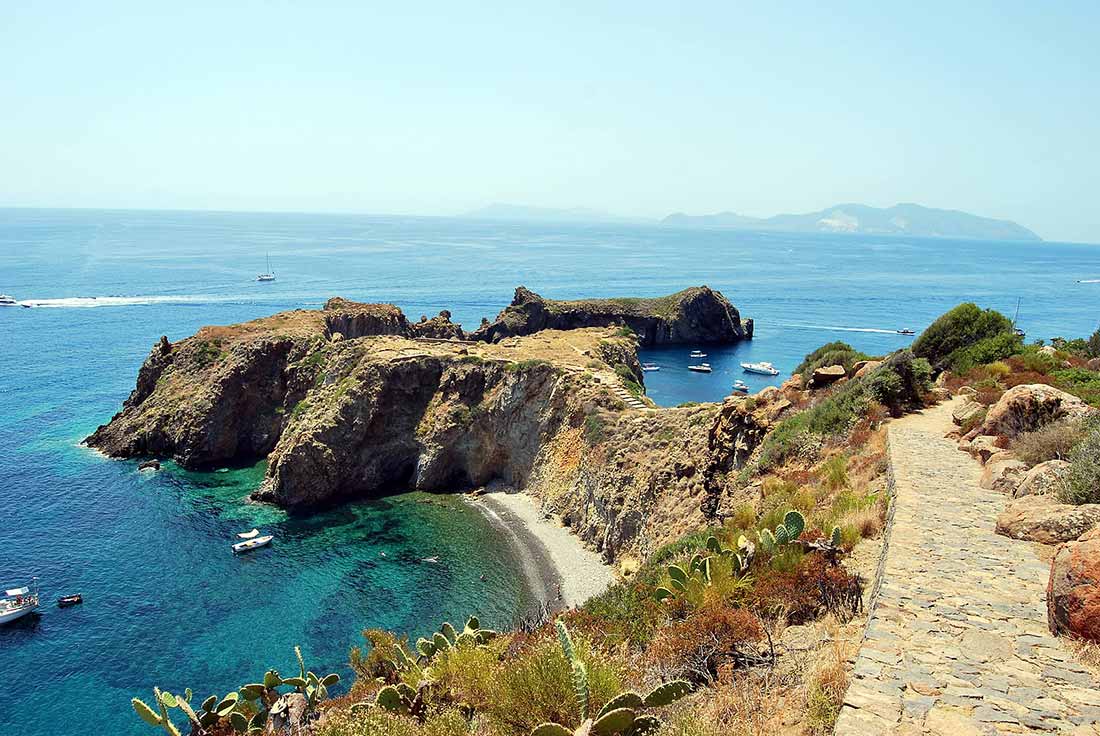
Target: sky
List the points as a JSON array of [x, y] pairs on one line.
[[635, 108]]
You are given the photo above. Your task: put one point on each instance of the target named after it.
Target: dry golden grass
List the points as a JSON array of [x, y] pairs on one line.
[[868, 522], [1087, 653]]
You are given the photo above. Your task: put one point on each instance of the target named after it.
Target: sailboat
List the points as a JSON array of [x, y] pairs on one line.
[[269, 275], [18, 602]]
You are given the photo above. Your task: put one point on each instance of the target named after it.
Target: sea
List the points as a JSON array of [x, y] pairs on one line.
[[166, 603]]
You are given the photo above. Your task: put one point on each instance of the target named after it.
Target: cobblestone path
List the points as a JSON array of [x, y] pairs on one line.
[[957, 641]]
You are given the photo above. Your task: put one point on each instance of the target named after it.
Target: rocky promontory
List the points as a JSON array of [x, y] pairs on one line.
[[695, 315]]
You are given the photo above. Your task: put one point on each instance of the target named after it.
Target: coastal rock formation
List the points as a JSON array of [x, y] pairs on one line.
[[1045, 479], [1027, 408], [1073, 594], [695, 315], [1043, 519]]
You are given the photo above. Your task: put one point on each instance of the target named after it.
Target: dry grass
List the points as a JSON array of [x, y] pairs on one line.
[[868, 522], [1087, 653], [827, 683]]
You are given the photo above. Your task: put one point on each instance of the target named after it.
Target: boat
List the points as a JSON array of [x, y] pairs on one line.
[[905, 331], [763, 367], [650, 367], [7, 301], [701, 368], [740, 386], [697, 354], [253, 540], [269, 275], [66, 601], [19, 602]]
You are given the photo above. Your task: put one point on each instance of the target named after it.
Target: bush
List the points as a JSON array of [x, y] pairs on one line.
[[988, 350], [694, 649], [1094, 344], [1054, 441], [622, 613], [960, 328], [1082, 383], [833, 353], [594, 429], [1083, 482]]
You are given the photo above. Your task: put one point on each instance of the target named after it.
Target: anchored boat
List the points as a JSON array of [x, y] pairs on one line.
[[269, 275], [740, 386], [19, 602], [253, 540], [763, 367], [701, 368], [647, 367], [697, 354]]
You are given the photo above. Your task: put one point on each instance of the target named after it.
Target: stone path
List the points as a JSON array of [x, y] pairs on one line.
[[957, 640]]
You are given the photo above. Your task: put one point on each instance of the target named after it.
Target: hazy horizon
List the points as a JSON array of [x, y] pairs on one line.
[[638, 111]]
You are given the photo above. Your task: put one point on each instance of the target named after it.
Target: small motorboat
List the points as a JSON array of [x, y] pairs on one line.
[[19, 602], [253, 540], [7, 301], [701, 368], [763, 367], [433, 560], [697, 354], [740, 386], [905, 331], [66, 601], [650, 367]]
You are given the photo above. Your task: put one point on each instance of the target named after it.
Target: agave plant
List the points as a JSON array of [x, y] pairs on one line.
[[620, 716]]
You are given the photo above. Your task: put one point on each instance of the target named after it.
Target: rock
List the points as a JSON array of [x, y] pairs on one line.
[[1047, 350], [826, 375], [1003, 474], [287, 715], [695, 315], [967, 391], [1043, 519], [982, 447], [966, 410], [864, 367], [149, 465], [1045, 479], [1029, 407], [1094, 364], [1073, 592]]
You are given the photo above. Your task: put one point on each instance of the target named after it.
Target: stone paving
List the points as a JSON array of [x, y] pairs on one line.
[[957, 641]]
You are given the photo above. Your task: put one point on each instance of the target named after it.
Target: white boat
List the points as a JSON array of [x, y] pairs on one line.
[[701, 368], [8, 301], [905, 331], [269, 275], [697, 354], [252, 543], [650, 367], [740, 386], [19, 602], [763, 367]]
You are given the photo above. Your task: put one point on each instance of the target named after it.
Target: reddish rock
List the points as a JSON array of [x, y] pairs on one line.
[[1029, 407], [1073, 593], [1043, 519]]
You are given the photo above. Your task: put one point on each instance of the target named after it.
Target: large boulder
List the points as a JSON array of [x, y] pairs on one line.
[[1028, 408], [967, 410], [1002, 473], [826, 375], [982, 447], [1043, 519], [1094, 364], [1073, 592], [863, 368], [1045, 479]]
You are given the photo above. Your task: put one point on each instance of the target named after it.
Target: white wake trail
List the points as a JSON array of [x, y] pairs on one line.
[[831, 328]]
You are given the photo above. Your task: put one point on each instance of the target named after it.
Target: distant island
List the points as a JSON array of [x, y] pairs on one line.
[[901, 219], [523, 213]]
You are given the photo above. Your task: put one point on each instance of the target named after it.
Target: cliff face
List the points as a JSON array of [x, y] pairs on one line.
[[354, 401], [695, 315]]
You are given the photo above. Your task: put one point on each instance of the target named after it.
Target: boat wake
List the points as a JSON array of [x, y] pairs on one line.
[[838, 329], [1088, 281], [91, 302]]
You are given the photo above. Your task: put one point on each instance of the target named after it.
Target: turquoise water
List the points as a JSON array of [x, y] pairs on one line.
[[166, 603]]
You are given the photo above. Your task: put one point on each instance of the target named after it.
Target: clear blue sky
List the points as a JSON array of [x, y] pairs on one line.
[[637, 108]]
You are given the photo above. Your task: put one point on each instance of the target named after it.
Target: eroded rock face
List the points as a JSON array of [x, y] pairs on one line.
[[695, 315], [1073, 593], [1043, 519], [1045, 479], [1029, 407]]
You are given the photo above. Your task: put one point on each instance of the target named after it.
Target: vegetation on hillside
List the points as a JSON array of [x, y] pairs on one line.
[[965, 334]]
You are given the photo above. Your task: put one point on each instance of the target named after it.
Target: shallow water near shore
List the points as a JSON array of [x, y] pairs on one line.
[[167, 604]]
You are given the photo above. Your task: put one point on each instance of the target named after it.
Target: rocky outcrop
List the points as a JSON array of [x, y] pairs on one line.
[[1073, 593], [827, 375], [1045, 479], [695, 315], [1043, 519], [1029, 407]]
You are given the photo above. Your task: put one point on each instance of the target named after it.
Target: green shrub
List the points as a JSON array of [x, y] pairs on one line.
[[833, 353], [834, 473], [1082, 383], [1032, 360], [987, 350], [626, 613], [630, 381], [960, 328], [1083, 481], [1094, 344], [594, 432]]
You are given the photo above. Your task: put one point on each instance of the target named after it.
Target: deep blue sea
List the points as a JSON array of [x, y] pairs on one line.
[[167, 604]]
